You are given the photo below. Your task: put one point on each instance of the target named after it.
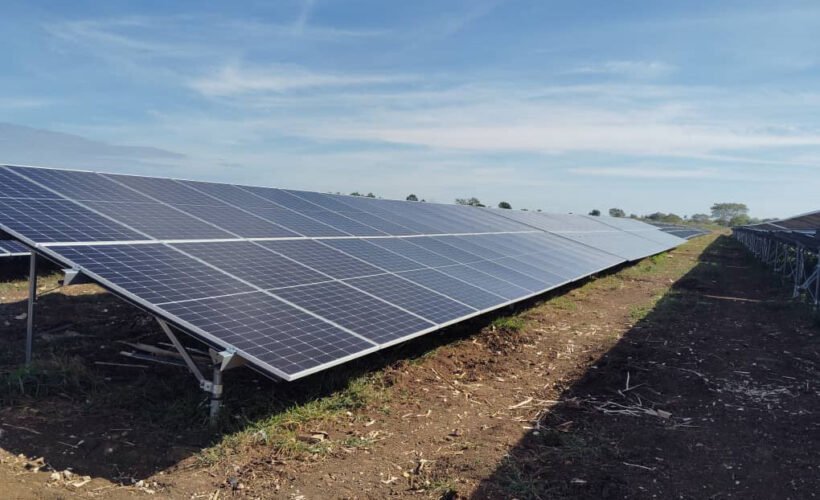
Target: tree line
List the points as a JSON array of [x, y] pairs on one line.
[[725, 214]]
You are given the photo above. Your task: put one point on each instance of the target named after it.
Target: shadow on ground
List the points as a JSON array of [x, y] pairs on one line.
[[713, 394], [126, 423]]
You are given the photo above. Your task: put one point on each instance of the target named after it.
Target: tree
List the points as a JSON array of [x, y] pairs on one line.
[[723, 212], [355, 193], [616, 212], [633, 216], [699, 218], [370, 195], [412, 197], [473, 202], [504, 204], [740, 220], [595, 212]]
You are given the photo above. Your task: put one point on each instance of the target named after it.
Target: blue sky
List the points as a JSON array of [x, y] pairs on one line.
[[563, 106]]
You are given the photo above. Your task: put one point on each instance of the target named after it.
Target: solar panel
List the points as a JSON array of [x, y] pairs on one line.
[[272, 333], [372, 318], [44, 221], [11, 248], [374, 254], [294, 282], [404, 248], [158, 221], [589, 231], [498, 286], [322, 258], [154, 272], [424, 302], [253, 263]]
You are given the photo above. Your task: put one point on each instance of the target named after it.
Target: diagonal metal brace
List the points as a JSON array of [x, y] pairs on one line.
[[206, 385]]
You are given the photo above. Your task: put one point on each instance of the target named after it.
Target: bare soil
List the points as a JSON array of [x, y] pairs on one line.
[[691, 375]]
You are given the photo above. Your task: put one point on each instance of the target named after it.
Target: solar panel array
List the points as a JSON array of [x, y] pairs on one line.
[[807, 223], [12, 248], [295, 282], [679, 230]]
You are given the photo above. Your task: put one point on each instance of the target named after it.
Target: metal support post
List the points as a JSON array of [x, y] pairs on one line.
[[32, 298], [817, 285], [221, 361], [216, 395]]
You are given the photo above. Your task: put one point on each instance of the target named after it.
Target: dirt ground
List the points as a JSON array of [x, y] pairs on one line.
[[687, 375]]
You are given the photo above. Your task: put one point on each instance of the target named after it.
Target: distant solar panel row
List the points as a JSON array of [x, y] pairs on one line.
[[681, 231], [807, 223], [295, 281], [11, 248]]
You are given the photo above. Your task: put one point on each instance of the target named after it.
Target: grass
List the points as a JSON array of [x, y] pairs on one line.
[[46, 378], [281, 430], [562, 302], [509, 323]]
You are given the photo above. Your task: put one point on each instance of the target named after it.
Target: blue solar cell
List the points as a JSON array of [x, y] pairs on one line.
[[452, 287], [325, 201], [466, 244], [373, 254], [558, 264], [485, 281], [253, 263], [60, 220], [322, 258], [282, 198], [507, 274], [378, 208], [14, 186], [385, 226], [228, 193], [597, 258], [407, 295], [287, 339], [509, 245], [293, 221], [403, 247], [238, 222], [154, 272], [80, 185], [520, 265], [158, 220], [343, 223], [14, 247], [166, 190], [438, 246], [359, 312]]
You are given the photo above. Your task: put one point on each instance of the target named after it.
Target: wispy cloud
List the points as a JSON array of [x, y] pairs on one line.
[[235, 80], [304, 15], [645, 172], [629, 69], [23, 102]]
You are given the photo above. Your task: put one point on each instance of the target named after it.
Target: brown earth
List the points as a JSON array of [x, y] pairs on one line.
[[687, 376]]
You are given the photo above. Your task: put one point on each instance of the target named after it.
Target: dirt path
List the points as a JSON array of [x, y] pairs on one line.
[[651, 382]]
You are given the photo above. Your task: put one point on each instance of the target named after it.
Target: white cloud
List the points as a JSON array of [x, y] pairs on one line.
[[630, 69], [235, 80], [23, 102], [645, 172]]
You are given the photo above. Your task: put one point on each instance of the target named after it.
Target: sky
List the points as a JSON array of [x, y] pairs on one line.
[[561, 106]]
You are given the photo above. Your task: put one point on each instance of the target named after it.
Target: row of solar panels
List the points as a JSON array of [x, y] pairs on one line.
[[679, 230], [294, 281], [808, 222], [12, 248]]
